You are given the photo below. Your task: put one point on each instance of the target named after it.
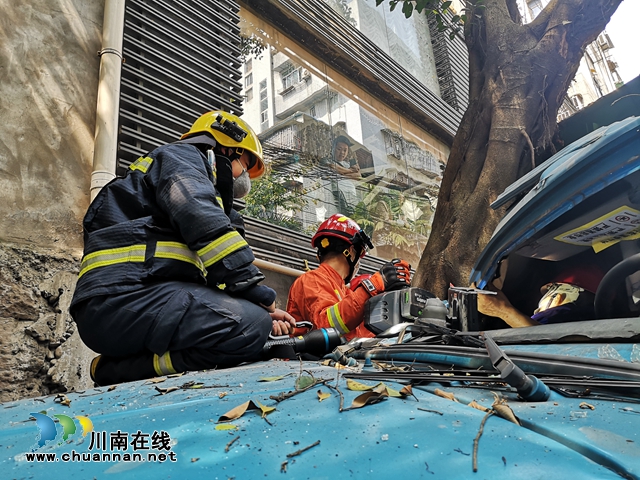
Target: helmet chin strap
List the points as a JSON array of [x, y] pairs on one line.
[[352, 264]]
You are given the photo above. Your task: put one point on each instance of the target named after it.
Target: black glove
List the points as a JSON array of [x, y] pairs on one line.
[[393, 275], [259, 294]]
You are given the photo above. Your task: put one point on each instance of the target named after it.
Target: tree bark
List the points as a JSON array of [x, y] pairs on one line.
[[518, 75]]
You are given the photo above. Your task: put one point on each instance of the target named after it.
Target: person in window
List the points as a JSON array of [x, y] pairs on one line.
[[568, 297], [167, 282], [348, 170], [324, 297]]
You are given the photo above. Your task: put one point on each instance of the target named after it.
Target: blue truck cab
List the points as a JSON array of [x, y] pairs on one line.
[[438, 394]]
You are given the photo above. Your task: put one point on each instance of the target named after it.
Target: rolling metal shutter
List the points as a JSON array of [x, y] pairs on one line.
[[182, 58]]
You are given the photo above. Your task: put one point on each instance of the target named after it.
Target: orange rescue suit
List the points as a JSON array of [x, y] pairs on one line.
[[321, 297]]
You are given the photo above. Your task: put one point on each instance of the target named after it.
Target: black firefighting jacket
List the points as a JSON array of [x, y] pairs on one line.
[[165, 220]]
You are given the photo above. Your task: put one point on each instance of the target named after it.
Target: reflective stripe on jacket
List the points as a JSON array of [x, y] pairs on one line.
[[321, 297], [164, 220]]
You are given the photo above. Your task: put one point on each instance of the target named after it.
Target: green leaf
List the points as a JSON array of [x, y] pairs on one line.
[[463, 18], [446, 5], [392, 5], [303, 381], [226, 426], [455, 19], [407, 9], [271, 379], [357, 386], [452, 35], [378, 2]]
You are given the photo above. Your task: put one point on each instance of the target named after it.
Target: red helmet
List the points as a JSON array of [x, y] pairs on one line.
[[342, 228]]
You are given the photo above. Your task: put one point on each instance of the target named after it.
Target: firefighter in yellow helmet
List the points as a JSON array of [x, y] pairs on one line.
[[167, 282]]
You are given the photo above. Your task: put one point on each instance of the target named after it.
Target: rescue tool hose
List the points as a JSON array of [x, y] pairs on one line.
[[316, 342]]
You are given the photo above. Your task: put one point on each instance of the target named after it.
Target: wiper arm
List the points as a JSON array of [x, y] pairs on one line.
[[529, 387]]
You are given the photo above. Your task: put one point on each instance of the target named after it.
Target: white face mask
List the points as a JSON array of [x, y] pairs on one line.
[[241, 185]]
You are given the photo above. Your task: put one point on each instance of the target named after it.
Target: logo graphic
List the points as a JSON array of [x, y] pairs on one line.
[[49, 430]]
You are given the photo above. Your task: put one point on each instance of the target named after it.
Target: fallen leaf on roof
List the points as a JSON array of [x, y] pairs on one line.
[[477, 406], [112, 388], [240, 410], [323, 396], [223, 394], [157, 380], [62, 400], [175, 375], [376, 395], [503, 410], [271, 379], [443, 394], [304, 381], [164, 391], [585, 406], [226, 426], [357, 386]]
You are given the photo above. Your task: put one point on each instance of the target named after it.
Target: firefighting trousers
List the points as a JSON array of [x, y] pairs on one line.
[[200, 327]]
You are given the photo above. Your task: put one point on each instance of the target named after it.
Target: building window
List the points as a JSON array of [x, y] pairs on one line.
[[248, 80], [249, 95], [290, 76], [536, 7], [264, 102], [248, 65]]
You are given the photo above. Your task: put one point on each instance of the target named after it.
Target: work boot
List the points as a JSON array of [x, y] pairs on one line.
[[109, 370]]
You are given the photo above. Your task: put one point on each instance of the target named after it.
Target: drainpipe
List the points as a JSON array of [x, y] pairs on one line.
[[105, 151]]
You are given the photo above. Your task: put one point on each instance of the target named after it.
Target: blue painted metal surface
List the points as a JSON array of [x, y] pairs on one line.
[[558, 439]]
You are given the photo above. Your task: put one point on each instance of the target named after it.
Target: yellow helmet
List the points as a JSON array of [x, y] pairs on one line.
[[231, 131]]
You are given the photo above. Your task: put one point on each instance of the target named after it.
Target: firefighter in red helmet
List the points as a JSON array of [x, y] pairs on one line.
[[322, 296]]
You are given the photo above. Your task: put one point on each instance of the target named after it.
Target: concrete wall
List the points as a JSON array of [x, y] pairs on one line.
[[48, 87]]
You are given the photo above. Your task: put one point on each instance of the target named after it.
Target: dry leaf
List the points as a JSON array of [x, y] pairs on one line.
[[304, 381], [164, 391], [407, 390], [62, 400], [393, 393], [265, 410], [357, 386], [195, 459], [157, 380], [585, 406], [271, 379], [323, 396], [503, 410], [196, 385], [443, 394], [226, 426], [477, 406], [112, 388], [223, 394], [175, 375], [240, 410], [374, 396]]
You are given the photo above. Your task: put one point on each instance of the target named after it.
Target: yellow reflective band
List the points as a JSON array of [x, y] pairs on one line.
[[112, 256], [338, 294], [142, 164], [179, 251], [221, 247], [220, 201], [335, 320], [162, 364]]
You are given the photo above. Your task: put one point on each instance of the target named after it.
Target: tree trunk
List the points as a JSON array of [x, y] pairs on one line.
[[519, 75]]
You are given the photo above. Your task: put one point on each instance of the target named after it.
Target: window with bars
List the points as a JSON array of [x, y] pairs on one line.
[[182, 58]]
